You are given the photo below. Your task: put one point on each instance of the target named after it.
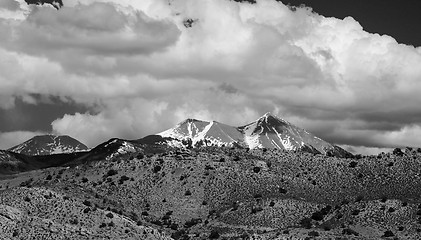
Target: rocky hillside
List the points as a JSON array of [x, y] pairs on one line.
[[49, 144], [218, 192]]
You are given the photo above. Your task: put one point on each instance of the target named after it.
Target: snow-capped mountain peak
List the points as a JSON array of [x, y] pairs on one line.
[[49, 144], [195, 132], [268, 131]]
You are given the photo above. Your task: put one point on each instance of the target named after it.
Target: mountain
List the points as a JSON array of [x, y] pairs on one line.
[[269, 131], [193, 132], [49, 144], [109, 150]]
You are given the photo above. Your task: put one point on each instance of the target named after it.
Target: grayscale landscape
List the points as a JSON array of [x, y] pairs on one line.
[[209, 119]]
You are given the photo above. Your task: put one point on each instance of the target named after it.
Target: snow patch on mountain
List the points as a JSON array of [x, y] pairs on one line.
[[125, 147]]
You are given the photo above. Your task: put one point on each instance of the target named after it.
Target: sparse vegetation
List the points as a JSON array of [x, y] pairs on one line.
[[183, 193]]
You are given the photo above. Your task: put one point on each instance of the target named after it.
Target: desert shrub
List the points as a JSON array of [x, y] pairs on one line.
[[397, 152], [27, 199], [87, 203], [49, 177], [282, 190], [256, 209], [103, 225], [157, 168], [355, 212], [313, 234], [306, 223], [353, 164], [174, 226], [123, 179], [48, 196], [256, 169], [27, 183], [157, 222], [111, 172], [192, 222], [85, 180], [74, 221], [258, 196], [214, 235], [187, 193], [86, 210], [349, 231], [359, 198], [318, 216], [180, 235], [388, 233], [109, 215]]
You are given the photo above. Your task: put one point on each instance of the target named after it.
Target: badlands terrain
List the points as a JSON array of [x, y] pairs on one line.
[[194, 182]]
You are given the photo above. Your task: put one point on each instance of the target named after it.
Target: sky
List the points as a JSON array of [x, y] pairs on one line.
[[347, 71]]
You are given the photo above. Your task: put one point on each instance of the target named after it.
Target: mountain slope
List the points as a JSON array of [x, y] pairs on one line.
[[268, 131], [194, 132], [49, 144]]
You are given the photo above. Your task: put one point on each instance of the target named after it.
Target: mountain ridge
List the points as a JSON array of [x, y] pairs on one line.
[[268, 131]]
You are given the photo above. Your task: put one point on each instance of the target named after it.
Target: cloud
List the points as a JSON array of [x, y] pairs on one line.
[[10, 5], [94, 29], [141, 70]]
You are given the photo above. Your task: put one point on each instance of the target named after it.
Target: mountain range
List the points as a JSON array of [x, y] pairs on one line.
[[268, 131]]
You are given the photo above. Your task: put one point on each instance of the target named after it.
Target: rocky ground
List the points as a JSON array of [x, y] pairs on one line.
[[217, 193]]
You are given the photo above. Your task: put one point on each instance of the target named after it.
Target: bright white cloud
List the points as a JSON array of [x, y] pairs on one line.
[[142, 70]]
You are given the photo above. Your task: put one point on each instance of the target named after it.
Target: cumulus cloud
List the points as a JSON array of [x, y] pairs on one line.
[[142, 70], [10, 5]]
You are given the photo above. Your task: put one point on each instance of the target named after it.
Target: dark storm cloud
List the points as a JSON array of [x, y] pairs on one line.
[[37, 115]]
